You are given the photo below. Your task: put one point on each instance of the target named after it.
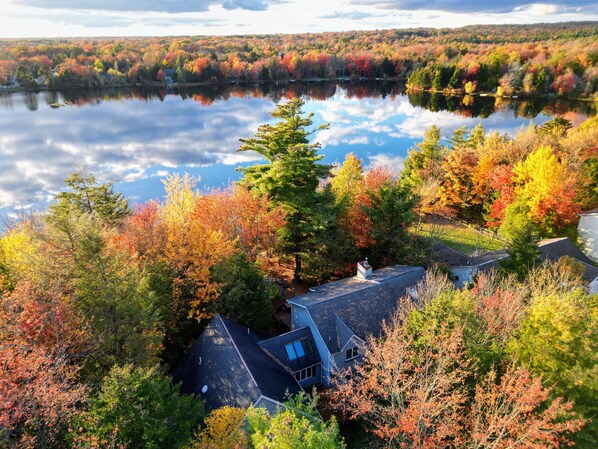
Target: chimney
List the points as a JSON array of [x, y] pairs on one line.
[[364, 269]]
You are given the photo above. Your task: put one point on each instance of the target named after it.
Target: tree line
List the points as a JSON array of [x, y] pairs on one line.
[[532, 60]]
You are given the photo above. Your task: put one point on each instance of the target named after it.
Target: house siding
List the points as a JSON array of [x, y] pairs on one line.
[[464, 275], [588, 232], [300, 317], [340, 363]]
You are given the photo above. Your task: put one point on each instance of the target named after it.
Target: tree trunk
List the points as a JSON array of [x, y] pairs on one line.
[[297, 271]]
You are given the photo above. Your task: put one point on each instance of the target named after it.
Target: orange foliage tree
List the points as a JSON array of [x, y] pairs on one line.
[[194, 245]]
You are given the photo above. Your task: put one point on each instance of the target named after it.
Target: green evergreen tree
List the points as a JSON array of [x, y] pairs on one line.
[[86, 196], [138, 408], [523, 253], [291, 176], [437, 78], [391, 213], [455, 80], [243, 296], [425, 159]]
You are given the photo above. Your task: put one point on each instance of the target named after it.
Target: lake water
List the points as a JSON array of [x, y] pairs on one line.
[[136, 137]]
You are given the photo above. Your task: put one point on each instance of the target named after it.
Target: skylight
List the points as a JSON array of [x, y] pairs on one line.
[[299, 349], [290, 351]]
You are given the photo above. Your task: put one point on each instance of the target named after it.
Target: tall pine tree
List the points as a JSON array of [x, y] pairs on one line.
[[291, 176]]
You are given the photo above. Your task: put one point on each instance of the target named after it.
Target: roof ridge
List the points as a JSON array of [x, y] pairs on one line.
[[238, 352], [280, 335], [367, 283]]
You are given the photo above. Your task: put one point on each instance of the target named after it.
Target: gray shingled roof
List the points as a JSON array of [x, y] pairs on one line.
[[360, 304], [447, 255], [554, 249], [233, 366], [491, 258], [275, 347]]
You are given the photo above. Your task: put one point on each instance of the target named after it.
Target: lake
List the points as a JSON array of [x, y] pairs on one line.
[[135, 137]]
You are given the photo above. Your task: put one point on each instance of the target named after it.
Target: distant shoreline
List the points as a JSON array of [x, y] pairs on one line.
[[408, 89]]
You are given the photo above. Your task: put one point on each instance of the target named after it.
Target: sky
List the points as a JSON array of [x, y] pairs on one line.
[[79, 18]]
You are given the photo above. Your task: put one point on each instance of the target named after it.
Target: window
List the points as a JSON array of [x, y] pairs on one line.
[[299, 348], [305, 373], [351, 353], [307, 347], [290, 351]]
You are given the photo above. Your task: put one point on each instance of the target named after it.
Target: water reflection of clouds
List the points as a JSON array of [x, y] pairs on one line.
[[135, 142], [374, 120], [119, 141]]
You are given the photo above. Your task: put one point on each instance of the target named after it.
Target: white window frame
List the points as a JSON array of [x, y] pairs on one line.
[[354, 353], [302, 374]]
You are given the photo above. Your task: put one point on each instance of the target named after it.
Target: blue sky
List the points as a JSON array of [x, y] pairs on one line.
[[63, 18]]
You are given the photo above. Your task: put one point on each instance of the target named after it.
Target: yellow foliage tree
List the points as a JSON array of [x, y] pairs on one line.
[[223, 430], [480, 177], [17, 250], [347, 178]]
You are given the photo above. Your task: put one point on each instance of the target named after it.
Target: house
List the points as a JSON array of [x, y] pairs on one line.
[[169, 76], [588, 233], [230, 364], [554, 249], [464, 268], [226, 366], [343, 314]]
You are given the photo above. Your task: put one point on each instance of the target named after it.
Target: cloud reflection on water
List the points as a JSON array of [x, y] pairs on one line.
[[134, 141]]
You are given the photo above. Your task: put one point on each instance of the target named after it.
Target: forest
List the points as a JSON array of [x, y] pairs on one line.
[[99, 300], [529, 60]]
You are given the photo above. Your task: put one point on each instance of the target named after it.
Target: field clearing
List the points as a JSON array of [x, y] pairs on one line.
[[460, 237]]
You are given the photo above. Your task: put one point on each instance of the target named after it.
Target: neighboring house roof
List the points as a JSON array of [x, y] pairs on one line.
[[490, 258], [554, 249], [550, 249], [445, 254], [233, 366], [590, 212], [275, 347], [361, 305]]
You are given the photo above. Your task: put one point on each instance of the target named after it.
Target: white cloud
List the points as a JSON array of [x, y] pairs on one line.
[[393, 162], [63, 18]]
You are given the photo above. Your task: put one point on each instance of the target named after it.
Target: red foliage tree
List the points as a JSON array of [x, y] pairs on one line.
[[40, 341]]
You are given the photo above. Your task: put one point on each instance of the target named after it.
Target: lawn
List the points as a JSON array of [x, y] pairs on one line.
[[463, 238]]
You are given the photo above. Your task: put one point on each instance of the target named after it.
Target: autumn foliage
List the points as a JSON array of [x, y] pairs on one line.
[[530, 60], [541, 178], [427, 385]]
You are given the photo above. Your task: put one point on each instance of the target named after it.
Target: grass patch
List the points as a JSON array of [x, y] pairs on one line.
[[465, 239]]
